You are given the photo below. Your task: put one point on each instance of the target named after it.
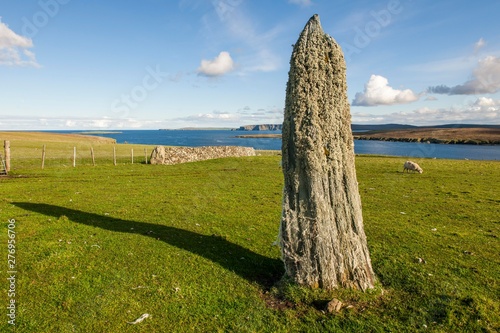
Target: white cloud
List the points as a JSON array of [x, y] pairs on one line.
[[218, 66], [237, 118], [486, 102], [76, 123], [245, 115], [378, 92], [14, 49], [257, 48], [479, 45], [482, 111], [485, 80], [304, 3]]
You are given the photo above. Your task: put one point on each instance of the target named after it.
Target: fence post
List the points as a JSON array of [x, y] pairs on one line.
[[43, 157], [146, 155], [92, 154], [132, 154], [6, 146], [74, 157], [114, 155]]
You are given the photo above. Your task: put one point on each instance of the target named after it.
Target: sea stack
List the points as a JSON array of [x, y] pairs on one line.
[[322, 239]]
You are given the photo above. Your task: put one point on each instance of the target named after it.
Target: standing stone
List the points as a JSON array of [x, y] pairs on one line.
[[322, 240]]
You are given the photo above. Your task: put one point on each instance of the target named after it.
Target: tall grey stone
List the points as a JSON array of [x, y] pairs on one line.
[[322, 239]]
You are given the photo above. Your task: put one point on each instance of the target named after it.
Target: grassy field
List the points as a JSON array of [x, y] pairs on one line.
[[27, 147], [191, 245]]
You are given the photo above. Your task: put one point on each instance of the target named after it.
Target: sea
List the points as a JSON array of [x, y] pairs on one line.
[[198, 138]]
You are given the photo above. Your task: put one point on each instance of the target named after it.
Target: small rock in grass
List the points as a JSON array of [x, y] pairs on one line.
[[140, 319], [420, 260], [333, 306]]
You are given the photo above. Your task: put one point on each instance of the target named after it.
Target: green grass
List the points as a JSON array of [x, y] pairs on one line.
[[27, 155], [191, 244]]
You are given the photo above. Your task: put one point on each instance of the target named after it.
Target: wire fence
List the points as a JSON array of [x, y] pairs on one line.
[[59, 155]]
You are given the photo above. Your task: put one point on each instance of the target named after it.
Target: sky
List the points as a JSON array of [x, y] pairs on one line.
[[151, 64]]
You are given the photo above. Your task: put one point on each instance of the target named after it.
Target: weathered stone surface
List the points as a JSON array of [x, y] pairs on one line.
[[176, 155], [322, 239], [158, 155], [334, 306]]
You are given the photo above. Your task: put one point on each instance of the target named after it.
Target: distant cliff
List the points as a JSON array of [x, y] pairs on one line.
[[262, 127]]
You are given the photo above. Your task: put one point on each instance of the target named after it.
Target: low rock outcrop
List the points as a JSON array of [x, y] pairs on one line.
[[176, 155], [262, 127]]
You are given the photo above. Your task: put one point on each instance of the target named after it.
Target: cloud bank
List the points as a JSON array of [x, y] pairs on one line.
[[234, 119], [245, 115], [481, 111], [485, 80], [220, 65], [378, 92], [14, 49]]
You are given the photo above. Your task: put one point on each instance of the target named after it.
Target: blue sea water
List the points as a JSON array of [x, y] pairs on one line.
[[198, 138]]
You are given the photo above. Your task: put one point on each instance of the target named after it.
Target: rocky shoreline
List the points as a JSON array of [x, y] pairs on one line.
[[430, 140]]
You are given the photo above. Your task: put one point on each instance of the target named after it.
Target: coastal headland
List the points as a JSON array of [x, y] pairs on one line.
[[476, 135], [448, 134]]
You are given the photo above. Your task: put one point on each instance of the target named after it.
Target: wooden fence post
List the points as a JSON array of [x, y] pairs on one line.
[[146, 155], [132, 154], [74, 157], [6, 146], [114, 155], [92, 155], [43, 157]]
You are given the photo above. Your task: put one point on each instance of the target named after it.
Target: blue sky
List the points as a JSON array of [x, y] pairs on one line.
[[73, 64]]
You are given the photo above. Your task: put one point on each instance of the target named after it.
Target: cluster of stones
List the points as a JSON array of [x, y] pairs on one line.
[[176, 155]]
